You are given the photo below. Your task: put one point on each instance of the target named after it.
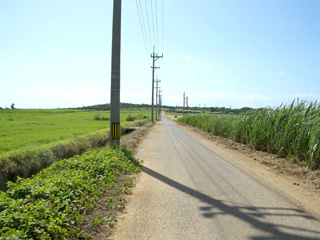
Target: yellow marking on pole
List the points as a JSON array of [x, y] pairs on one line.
[[116, 130]]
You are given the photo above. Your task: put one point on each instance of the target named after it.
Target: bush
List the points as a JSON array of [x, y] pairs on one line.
[[131, 118], [98, 117]]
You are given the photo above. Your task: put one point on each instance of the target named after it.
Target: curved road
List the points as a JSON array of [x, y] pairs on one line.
[[186, 191]]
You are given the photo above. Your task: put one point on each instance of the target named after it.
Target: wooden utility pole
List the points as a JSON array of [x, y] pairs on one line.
[[115, 76], [154, 58]]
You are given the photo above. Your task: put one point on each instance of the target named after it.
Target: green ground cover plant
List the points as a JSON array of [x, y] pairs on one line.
[[52, 204], [289, 131]]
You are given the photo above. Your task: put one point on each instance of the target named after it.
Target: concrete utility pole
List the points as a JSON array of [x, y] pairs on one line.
[[187, 104], [115, 76], [184, 102], [160, 102], [160, 91], [157, 89], [154, 58]]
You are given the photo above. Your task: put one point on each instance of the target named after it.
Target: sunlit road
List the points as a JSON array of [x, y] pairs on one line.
[[186, 191]]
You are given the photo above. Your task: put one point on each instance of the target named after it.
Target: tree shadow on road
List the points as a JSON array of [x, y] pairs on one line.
[[251, 215]]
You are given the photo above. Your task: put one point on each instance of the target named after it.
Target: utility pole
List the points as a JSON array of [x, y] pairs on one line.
[[184, 102], [115, 76], [157, 81], [160, 91], [154, 58], [160, 102], [187, 104]]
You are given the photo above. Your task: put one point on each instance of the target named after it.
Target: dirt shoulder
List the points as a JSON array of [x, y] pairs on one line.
[[293, 180]]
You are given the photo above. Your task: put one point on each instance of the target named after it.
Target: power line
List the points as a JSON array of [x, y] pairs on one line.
[[145, 29], [162, 25], [151, 39], [148, 23], [153, 28], [143, 32], [157, 24]]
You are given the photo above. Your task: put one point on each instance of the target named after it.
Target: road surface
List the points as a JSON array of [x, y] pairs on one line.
[[187, 191]]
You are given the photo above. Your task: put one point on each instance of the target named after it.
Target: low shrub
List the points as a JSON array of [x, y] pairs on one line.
[[98, 117], [131, 118], [142, 116]]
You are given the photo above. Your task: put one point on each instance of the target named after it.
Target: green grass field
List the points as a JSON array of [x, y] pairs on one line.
[[25, 128]]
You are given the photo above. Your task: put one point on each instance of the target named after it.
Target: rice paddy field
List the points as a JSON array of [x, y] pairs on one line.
[[33, 128], [289, 131]]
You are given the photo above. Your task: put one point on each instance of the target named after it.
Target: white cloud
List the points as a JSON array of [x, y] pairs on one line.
[[189, 57], [282, 73]]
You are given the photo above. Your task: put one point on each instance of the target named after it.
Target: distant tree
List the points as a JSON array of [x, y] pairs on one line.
[[12, 106]]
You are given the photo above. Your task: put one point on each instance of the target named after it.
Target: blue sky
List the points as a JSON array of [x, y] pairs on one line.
[[238, 53]]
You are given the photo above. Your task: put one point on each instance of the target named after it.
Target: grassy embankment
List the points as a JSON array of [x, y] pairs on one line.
[[289, 131], [31, 140]]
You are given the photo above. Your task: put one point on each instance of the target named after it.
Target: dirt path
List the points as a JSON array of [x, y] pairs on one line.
[[190, 188]]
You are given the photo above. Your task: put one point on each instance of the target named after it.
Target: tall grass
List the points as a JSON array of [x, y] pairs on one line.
[[288, 130]]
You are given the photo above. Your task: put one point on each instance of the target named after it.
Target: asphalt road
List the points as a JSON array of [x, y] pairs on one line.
[[186, 191]]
